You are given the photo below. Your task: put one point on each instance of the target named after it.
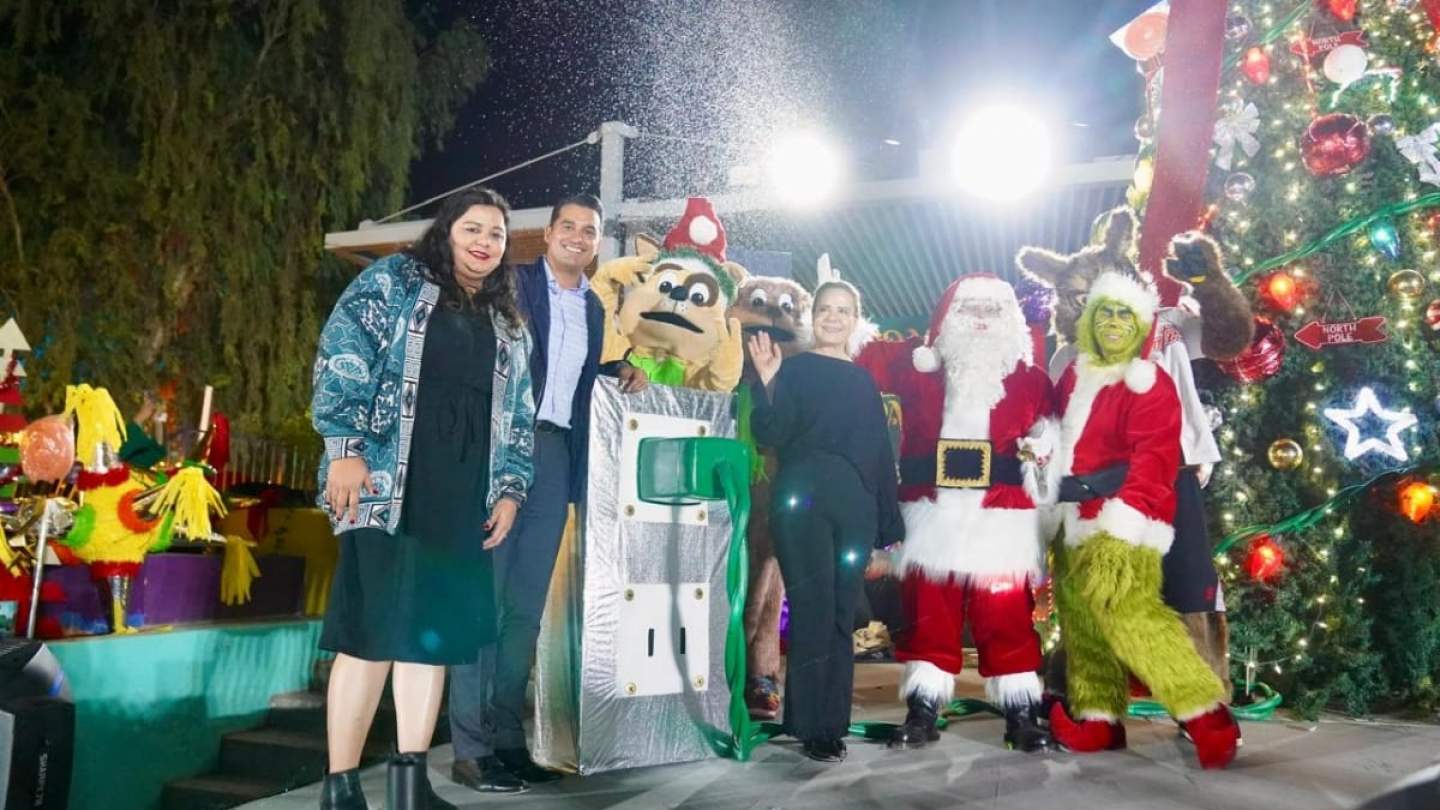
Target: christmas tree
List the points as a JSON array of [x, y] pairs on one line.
[[1324, 191]]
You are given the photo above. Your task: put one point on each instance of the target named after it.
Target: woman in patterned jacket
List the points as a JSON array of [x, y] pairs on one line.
[[423, 397]]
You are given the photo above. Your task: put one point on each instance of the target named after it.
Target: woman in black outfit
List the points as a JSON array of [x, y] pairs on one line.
[[834, 500]]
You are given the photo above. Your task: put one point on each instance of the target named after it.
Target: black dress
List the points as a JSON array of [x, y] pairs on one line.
[[426, 594]]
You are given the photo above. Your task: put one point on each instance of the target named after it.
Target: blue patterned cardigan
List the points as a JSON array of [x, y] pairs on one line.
[[367, 373]]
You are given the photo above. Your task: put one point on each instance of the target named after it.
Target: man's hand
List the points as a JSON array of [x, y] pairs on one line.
[[632, 379], [502, 518]]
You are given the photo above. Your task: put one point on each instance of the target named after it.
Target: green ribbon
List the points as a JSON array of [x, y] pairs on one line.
[[1300, 521], [1340, 232], [1262, 709]]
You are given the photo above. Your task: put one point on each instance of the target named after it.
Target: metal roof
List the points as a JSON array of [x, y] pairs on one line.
[[901, 242]]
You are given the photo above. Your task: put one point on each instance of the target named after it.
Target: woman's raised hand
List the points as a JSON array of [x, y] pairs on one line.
[[765, 355]]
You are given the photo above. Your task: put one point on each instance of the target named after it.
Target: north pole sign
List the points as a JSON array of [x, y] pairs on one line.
[[1317, 335]]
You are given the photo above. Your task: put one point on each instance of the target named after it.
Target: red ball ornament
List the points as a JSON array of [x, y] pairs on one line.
[[1280, 291], [1266, 559], [1256, 65], [1343, 10], [1432, 222], [1432, 320], [1262, 360], [1334, 144]]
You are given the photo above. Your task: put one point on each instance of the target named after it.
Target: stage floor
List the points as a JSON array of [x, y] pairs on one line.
[[1283, 765]]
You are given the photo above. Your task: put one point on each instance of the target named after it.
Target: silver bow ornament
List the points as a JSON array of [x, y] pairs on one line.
[[1421, 150], [1237, 128]]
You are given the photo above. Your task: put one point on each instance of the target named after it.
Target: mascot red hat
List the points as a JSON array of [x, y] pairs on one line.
[[698, 229]]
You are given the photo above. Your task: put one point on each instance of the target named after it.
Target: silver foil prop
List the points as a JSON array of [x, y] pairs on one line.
[[630, 668]]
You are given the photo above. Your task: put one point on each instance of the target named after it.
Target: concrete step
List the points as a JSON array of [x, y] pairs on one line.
[[216, 792]]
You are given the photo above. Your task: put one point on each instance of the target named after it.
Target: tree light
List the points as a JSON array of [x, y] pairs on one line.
[[1001, 153], [1395, 423]]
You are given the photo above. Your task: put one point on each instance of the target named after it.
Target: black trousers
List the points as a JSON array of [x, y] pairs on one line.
[[487, 697], [824, 524], [1189, 565]]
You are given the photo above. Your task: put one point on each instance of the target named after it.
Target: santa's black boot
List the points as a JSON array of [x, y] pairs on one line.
[[919, 729], [1024, 731]]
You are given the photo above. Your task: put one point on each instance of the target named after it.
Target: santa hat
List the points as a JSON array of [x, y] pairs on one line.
[[971, 285], [698, 229]]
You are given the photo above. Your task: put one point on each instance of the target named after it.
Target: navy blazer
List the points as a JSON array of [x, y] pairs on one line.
[[533, 291]]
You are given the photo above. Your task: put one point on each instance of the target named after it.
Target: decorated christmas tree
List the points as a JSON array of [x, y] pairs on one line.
[[1323, 188]]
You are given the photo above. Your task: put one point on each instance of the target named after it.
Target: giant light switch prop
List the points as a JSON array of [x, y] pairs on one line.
[[630, 668]]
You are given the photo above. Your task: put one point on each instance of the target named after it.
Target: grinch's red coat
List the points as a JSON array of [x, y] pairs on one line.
[[1125, 414]]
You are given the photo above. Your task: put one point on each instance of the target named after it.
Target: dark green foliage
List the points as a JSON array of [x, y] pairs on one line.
[[1354, 621], [168, 171]]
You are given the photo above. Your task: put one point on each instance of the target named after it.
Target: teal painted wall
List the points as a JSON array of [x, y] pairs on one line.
[[151, 707]]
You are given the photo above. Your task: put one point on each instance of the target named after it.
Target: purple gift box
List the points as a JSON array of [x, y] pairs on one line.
[[177, 588]]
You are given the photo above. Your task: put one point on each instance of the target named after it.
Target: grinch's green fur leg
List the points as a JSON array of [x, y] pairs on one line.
[[1145, 634], [1095, 681]]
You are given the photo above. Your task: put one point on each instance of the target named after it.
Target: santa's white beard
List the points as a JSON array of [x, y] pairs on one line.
[[977, 362]]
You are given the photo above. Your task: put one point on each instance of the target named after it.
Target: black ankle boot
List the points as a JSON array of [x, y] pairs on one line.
[[342, 791], [1024, 731], [407, 785], [919, 729]]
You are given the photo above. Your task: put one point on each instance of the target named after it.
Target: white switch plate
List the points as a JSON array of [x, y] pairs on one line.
[[663, 643]]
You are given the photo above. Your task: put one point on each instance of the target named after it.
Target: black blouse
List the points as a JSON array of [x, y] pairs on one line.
[[819, 404]]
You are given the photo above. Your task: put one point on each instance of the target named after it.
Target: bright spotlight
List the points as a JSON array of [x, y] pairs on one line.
[[1001, 153], [804, 169]]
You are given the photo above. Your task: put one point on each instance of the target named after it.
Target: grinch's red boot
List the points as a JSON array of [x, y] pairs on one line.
[[1085, 736], [1216, 736]]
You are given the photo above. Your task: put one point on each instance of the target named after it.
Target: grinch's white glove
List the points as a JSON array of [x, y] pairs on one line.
[[1040, 445]]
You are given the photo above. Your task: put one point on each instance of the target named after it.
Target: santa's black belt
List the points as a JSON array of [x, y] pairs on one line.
[[961, 464], [1098, 484]]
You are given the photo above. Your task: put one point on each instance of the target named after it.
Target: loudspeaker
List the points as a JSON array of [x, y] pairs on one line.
[[37, 751]]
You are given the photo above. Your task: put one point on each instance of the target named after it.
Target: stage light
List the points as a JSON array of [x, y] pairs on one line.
[[804, 169], [1001, 153]]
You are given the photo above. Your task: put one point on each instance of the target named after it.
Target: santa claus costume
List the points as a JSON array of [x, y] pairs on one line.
[[1119, 454], [973, 402]]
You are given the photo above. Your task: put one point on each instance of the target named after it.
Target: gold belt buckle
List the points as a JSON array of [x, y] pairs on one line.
[[944, 479]]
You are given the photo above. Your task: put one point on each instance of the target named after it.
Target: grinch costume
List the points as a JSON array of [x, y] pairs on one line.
[[1119, 452]]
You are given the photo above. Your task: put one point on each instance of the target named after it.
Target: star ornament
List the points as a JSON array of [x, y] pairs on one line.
[[1368, 404]]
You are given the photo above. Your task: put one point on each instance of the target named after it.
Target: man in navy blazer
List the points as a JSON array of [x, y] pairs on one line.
[[487, 699]]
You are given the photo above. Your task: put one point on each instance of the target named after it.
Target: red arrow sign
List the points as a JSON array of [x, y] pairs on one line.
[[1317, 335], [1313, 48]]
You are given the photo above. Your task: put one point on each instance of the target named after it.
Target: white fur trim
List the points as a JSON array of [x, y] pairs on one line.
[[925, 359], [1140, 375], [1042, 484], [1126, 523], [954, 534], [1014, 691], [703, 230], [1092, 714], [928, 681], [1090, 380], [1128, 291], [1186, 717]]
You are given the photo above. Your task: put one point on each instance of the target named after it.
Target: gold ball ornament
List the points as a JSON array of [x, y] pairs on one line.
[[1285, 454], [1406, 284]]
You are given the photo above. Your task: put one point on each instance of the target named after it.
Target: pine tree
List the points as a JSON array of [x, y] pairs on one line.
[[1327, 219], [168, 172]]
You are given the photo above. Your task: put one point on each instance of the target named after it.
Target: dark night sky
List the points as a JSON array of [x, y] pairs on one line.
[[732, 72]]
